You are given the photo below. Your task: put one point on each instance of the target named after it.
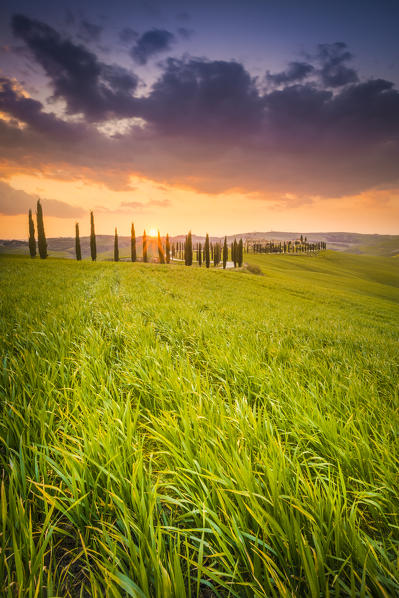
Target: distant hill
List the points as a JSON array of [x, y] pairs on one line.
[[383, 245]]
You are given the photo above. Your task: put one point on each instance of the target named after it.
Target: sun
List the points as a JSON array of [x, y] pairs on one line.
[[153, 232]]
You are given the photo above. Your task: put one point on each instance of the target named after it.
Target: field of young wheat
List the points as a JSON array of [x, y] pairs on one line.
[[180, 432]]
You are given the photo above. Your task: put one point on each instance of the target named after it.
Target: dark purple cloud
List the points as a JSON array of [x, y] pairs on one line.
[[201, 98], [333, 58], [30, 112], [296, 71], [87, 85], [207, 123], [152, 43]]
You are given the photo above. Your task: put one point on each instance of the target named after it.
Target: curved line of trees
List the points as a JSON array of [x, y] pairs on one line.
[[181, 250], [301, 245]]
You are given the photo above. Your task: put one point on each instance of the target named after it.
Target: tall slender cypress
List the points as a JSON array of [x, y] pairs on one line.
[[32, 240], [200, 254], [133, 255], [235, 259], [41, 236], [93, 244], [167, 249], [225, 253], [116, 247], [77, 243], [207, 252], [161, 254], [145, 248], [240, 253], [189, 250], [232, 251]]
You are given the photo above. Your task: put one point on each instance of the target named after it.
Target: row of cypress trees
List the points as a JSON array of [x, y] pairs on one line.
[[297, 246], [165, 254], [203, 254], [211, 251]]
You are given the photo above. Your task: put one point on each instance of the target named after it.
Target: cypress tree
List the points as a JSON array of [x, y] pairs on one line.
[[32, 240], [167, 244], [240, 253], [93, 245], [235, 253], [206, 251], [41, 236], [189, 250], [199, 255], [225, 253], [216, 251], [232, 251], [161, 254], [145, 256], [77, 243], [116, 247], [133, 244]]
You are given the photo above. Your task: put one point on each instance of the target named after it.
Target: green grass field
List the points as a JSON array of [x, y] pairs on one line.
[[170, 431]]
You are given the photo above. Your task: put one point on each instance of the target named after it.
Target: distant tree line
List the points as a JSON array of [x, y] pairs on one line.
[[180, 250], [301, 245]]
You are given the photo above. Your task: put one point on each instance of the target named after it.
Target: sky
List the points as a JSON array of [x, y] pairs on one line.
[[219, 117]]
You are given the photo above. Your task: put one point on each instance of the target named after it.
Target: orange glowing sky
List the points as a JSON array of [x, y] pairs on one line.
[[368, 212]]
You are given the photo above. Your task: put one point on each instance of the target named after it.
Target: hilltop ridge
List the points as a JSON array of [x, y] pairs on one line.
[[368, 244]]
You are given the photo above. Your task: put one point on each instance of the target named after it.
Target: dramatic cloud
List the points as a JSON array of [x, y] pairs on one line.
[[296, 71], [334, 72], [14, 201], [205, 124], [152, 43], [30, 112], [202, 98], [87, 85]]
